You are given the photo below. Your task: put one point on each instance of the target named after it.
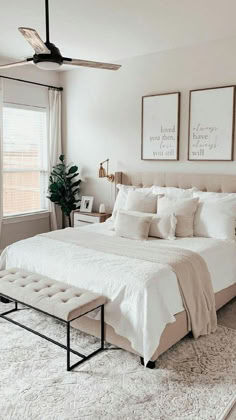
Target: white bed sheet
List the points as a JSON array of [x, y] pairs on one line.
[[143, 296]]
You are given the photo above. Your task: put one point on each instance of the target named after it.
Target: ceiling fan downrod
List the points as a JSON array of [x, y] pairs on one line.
[[47, 21]]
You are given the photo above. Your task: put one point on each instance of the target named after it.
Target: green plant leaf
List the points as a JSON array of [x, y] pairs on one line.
[[75, 184], [73, 176], [73, 169]]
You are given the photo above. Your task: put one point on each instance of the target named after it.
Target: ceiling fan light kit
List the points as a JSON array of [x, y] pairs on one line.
[[47, 56], [52, 61], [48, 65]]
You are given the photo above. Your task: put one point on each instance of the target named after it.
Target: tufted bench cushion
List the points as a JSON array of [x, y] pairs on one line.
[[53, 297]]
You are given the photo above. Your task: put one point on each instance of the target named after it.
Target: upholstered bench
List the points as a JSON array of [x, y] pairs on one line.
[[56, 299]]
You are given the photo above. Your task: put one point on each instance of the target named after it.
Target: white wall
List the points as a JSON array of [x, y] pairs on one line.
[[102, 110], [30, 95]]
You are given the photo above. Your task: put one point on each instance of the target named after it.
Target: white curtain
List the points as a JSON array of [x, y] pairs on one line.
[[54, 141], [1, 153]]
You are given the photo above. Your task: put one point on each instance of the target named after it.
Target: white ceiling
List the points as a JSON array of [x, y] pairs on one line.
[[109, 30]]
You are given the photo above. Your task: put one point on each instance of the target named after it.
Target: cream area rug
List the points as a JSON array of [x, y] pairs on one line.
[[194, 380]]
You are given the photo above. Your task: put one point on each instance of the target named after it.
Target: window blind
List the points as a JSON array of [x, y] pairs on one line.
[[25, 159]]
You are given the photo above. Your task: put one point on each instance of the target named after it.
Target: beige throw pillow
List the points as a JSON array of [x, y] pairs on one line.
[[132, 226], [145, 202], [162, 226], [184, 210]]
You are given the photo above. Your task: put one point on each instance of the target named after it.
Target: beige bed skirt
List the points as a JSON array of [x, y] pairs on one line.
[[171, 334]]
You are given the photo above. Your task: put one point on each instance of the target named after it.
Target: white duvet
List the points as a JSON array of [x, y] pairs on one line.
[[139, 307]]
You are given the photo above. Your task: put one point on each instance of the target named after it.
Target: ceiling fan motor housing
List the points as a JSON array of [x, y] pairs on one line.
[[54, 57]]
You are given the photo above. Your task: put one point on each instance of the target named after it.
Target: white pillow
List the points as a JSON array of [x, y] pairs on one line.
[[184, 210], [207, 195], [173, 191], [122, 196], [141, 201], [215, 216], [132, 226], [162, 226]]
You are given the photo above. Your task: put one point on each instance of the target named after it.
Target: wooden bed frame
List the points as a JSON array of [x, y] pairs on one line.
[[177, 330]]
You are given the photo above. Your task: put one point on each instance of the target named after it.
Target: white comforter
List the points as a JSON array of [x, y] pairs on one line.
[[139, 306]]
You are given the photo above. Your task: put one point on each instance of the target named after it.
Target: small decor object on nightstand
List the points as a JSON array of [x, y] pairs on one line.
[[86, 204], [102, 208]]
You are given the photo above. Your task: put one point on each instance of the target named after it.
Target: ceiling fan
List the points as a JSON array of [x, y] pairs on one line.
[[47, 56]]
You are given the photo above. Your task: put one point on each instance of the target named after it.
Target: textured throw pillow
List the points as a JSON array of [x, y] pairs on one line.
[[173, 191], [184, 210], [141, 201], [215, 216], [132, 226]]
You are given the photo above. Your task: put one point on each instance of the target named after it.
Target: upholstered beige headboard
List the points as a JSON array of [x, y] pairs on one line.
[[204, 182]]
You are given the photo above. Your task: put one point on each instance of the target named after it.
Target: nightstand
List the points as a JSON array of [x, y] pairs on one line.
[[82, 219]]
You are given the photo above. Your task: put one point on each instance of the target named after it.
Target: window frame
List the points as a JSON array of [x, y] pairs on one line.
[[37, 214]]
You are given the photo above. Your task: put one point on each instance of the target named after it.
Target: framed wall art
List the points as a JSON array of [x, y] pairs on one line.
[[160, 126], [211, 123]]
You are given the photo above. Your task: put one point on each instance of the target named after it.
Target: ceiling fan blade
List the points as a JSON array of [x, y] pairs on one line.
[[17, 63], [35, 41], [94, 64]]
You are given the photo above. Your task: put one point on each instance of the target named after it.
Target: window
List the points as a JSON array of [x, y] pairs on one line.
[[25, 159]]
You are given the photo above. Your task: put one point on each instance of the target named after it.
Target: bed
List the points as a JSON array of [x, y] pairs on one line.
[[118, 276]]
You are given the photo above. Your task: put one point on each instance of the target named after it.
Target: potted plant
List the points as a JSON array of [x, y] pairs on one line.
[[64, 188]]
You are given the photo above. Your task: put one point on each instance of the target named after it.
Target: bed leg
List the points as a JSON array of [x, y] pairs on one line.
[[150, 364]]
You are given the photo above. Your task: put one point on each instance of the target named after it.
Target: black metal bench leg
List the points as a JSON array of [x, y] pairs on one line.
[[68, 346], [102, 327], [84, 358], [4, 300], [10, 310], [149, 365]]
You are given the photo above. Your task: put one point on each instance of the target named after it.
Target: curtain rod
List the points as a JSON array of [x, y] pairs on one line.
[[32, 83]]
